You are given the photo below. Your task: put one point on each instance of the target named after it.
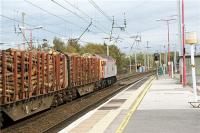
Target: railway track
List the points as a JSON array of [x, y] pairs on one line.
[[55, 119]]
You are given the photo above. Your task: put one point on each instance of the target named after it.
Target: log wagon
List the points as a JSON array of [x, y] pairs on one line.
[[32, 81]]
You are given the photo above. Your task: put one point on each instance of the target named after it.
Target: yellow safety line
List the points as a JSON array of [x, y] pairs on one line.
[[134, 107]]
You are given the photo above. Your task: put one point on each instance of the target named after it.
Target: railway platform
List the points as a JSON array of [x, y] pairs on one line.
[[165, 109], [148, 106]]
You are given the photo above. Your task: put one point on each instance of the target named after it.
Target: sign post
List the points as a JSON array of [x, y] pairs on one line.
[[191, 39]]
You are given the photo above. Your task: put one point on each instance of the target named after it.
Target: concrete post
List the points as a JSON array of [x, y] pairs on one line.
[[160, 59], [175, 67], [166, 65], [145, 59], [135, 61], [172, 68], [193, 73], [130, 63]]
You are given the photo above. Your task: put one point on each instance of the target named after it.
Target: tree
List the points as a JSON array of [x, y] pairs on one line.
[[93, 49], [73, 46], [59, 45]]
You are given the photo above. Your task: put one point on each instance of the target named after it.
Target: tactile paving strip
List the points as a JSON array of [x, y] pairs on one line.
[[109, 108], [113, 104], [117, 101]]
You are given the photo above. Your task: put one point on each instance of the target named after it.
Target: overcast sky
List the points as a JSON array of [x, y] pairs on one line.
[[141, 16]]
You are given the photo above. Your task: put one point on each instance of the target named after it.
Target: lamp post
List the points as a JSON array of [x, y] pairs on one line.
[[183, 44], [168, 39], [135, 61], [147, 47], [31, 30]]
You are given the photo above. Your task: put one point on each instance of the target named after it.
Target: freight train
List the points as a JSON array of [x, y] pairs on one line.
[[33, 81]]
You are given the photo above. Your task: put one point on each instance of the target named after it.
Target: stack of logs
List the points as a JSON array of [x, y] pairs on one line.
[[24, 74], [84, 70]]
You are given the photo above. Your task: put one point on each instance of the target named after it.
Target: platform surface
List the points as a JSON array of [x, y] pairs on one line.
[[108, 116], [165, 109]]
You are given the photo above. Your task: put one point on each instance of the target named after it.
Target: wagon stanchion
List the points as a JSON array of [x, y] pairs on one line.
[[47, 65], [54, 73], [43, 72], [38, 74], [64, 72], [15, 78], [22, 74], [58, 71], [4, 99], [30, 75]]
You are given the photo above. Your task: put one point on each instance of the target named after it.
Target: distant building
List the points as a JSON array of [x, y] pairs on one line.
[[188, 68]]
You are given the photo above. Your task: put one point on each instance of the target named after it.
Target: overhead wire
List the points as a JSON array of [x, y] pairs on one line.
[[100, 10], [7, 44], [104, 14], [77, 8], [12, 19], [144, 30], [83, 12], [63, 18], [52, 32], [69, 10], [53, 14], [78, 16]]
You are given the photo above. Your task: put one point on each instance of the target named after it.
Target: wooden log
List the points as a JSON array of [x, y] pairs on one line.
[[24, 66], [7, 91]]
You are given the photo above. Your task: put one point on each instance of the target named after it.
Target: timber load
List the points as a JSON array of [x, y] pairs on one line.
[[25, 74]]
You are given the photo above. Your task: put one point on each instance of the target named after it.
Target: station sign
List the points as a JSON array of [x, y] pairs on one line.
[[191, 38]]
